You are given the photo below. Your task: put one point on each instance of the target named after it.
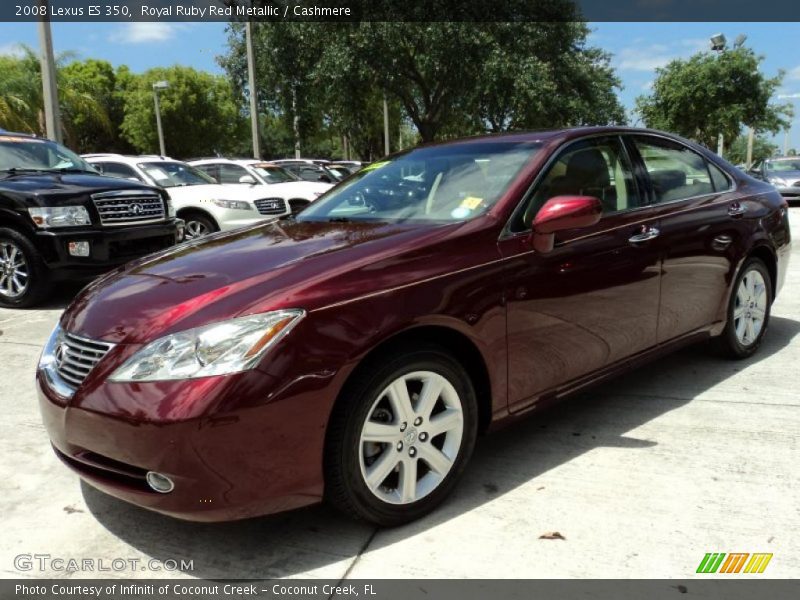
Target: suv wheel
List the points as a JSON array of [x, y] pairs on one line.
[[23, 276], [401, 437], [198, 225]]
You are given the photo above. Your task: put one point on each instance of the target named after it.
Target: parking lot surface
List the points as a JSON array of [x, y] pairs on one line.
[[640, 477]]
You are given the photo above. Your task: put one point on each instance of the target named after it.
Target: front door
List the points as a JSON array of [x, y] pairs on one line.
[[593, 299]]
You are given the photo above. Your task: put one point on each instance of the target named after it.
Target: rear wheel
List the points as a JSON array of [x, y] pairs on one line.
[[24, 279], [401, 437], [748, 311], [198, 225]]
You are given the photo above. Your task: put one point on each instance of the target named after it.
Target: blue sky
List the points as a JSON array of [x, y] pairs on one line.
[[638, 48]]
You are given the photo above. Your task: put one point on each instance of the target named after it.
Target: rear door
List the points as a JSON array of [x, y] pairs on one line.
[[592, 300], [701, 224]]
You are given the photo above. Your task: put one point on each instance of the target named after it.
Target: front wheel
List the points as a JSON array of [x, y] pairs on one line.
[[748, 311], [401, 437], [198, 225], [24, 279]]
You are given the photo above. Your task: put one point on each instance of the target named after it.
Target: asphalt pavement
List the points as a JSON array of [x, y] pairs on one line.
[[639, 478]]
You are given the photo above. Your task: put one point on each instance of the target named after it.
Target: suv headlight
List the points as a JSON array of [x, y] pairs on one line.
[[59, 216], [170, 207], [218, 349], [778, 181], [234, 204]]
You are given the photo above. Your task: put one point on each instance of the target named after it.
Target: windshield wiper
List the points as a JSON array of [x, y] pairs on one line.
[[21, 171], [72, 170]]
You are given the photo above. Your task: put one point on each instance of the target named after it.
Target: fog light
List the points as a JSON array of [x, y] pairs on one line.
[[79, 248], [160, 483]]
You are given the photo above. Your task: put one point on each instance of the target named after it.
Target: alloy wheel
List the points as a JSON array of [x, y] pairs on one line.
[[195, 229], [750, 309], [14, 271], [411, 437]]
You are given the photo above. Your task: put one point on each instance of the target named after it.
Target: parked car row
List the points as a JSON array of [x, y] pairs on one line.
[[63, 216], [355, 352], [783, 172]]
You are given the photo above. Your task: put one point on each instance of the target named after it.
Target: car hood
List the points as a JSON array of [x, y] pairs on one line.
[[787, 175], [53, 189], [283, 264], [215, 191], [307, 190]]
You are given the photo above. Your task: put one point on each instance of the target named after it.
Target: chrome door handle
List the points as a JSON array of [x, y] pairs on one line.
[[649, 233], [736, 210]]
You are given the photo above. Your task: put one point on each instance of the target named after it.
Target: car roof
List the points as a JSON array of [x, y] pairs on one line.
[[5, 133], [127, 158]]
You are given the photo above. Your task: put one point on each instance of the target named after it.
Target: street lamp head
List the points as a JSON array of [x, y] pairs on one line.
[[161, 85], [718, 42]]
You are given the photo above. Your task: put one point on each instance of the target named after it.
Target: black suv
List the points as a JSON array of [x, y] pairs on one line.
[[61, 220]]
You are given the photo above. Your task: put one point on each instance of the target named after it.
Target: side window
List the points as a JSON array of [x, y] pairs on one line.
[[231, 173], [120, 171], [210, 170], [719, 179], [676, 172], [595, 167]]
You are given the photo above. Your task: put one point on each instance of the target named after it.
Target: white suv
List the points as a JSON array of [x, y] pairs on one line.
[[204, 204], [257, 172]]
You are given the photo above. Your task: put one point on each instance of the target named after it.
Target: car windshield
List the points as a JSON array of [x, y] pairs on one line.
[[175, 174], [31, 154], [441, 183], [783, 165], [273, 174]]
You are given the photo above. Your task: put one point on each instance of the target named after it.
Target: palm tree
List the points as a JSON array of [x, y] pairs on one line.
[[21, 96]]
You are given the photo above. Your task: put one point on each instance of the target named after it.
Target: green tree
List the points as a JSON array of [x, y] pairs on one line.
[[199, 113], [21, 97], [707, 95], [762, 148]]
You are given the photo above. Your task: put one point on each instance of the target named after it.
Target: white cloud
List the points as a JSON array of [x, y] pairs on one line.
[[793, 96], [642, 57], [144, 33], [794, 74], [10, 50]]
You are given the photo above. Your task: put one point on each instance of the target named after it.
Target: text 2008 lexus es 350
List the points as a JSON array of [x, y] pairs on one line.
[[355, 352]]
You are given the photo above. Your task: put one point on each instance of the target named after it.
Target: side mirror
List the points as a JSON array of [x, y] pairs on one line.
[[561, 213], [248, 179], [325, 179]]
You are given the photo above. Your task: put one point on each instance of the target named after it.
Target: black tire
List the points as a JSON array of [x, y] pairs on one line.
[[345, 487], [297, 204], [192, 218], [38, 279], [728, 343]]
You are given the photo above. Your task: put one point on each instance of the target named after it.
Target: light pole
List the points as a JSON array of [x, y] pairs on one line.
[[251, 79], [159, 85], [52, 114], [718, 42], [385, 126]]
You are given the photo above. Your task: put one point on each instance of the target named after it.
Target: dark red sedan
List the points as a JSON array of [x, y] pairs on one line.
[[355, 352]]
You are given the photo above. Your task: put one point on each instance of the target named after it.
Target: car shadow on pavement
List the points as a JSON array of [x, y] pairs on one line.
[[319, 542]]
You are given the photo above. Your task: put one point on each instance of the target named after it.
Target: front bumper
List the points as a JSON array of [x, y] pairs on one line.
[[109, 247], [232, 465], [792, 192]]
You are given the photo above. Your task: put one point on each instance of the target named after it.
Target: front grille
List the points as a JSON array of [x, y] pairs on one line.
[[271, 206], [75, 357], [129, 207]]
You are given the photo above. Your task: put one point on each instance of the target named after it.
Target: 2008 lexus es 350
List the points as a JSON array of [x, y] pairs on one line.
[[355, 352]]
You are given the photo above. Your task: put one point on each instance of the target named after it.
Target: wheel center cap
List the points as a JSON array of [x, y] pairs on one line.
[[410, 436]]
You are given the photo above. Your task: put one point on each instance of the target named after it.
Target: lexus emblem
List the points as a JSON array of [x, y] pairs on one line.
[[137, 209], [61, 355]]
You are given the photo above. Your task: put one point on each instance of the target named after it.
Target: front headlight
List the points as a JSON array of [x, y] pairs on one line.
[[234, 204], [59, 216], [170, 207], [778, 181], [218, 349]]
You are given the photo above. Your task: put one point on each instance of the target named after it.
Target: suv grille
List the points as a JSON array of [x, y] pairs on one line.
[[271, 206], [76, 357], [127, 207]]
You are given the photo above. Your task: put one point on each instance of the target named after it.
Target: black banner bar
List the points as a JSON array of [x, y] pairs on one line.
[[712, 587], [400, 10]]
